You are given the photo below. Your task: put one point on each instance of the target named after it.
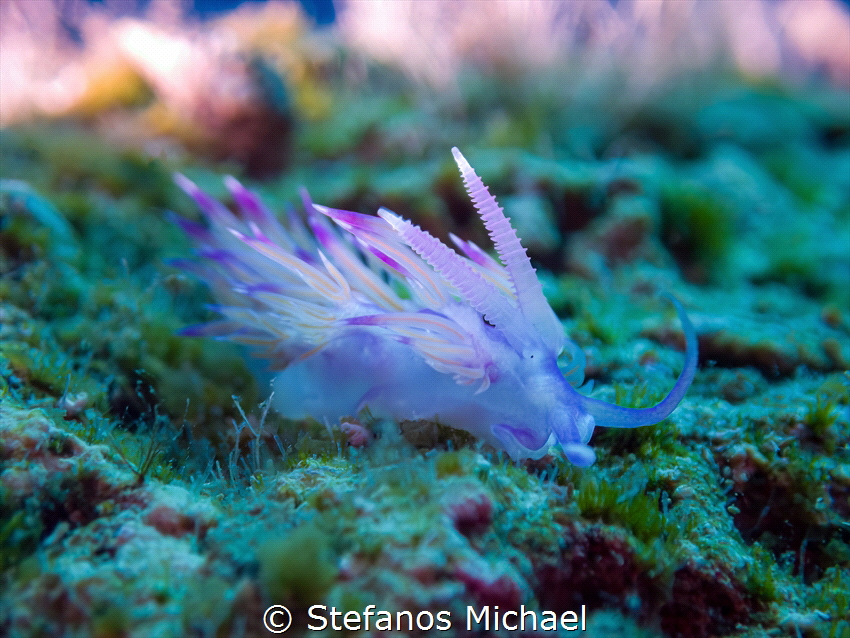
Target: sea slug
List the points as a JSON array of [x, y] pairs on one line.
[[381, 314]]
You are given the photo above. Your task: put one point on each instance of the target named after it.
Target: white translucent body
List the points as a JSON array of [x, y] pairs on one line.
[[472, 343]]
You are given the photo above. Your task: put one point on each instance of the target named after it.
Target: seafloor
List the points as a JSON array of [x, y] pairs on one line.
[[145, 490]]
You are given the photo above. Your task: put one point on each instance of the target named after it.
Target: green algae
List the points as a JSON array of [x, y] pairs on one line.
[[608, 502], [697, 228], [284, 562], [20, 531]]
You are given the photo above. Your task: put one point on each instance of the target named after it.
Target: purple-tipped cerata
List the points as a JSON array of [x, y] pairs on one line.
[[378, 313]]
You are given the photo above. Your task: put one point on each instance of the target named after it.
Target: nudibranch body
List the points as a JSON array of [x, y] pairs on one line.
[[381, 314]]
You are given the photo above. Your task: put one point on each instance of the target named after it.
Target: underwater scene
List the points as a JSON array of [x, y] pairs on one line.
[[425, 318]]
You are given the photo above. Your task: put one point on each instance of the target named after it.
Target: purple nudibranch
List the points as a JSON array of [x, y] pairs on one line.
[[383, 315]]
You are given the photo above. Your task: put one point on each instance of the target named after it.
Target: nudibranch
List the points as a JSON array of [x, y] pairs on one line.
[[372, 311]]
